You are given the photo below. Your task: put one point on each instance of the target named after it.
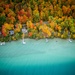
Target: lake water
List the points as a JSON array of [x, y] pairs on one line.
[[38, 57]]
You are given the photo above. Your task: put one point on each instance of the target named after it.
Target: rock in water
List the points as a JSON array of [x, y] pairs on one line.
[[70, 40], [46, 40]]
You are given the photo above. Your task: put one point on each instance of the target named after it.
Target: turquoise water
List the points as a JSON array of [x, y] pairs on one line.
[[38, 57]]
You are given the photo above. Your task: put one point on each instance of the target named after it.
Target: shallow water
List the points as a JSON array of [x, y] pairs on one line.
[[38, 57]]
